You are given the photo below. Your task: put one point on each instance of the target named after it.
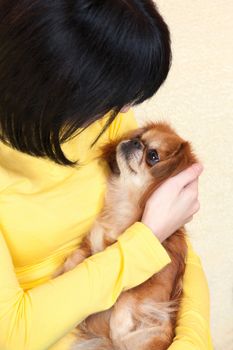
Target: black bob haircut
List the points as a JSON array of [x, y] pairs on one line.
[[66, 63]]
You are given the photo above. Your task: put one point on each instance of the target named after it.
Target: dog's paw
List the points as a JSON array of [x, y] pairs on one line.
[[71, 262]]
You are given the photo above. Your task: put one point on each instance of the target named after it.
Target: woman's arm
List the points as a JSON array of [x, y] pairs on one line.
[[38, 318], [193, 326]]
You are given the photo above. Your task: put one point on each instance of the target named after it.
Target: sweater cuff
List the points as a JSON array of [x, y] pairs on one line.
[[139, 245]]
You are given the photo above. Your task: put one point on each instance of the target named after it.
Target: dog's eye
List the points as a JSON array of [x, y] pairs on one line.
[[152, 157]]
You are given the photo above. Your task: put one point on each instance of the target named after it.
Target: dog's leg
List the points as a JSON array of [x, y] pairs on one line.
[[121, 319], [162, 342], [83, 252]]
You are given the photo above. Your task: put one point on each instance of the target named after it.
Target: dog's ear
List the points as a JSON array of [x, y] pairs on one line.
[[108, 152], [179, 160]]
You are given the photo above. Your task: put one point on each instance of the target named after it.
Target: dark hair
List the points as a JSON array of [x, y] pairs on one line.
[[66, 63]]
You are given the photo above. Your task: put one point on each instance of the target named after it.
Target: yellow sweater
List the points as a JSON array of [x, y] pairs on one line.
[[45, 211]]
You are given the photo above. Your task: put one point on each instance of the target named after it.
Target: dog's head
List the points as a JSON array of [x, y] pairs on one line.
[[149, 155]]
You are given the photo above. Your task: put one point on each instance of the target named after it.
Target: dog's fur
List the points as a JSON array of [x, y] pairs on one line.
[[144, 317]]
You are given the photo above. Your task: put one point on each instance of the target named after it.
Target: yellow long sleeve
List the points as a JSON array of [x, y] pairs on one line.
[[35, 319], [193, 326]]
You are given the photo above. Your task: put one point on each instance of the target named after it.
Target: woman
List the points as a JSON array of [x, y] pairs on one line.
[[69, 66]]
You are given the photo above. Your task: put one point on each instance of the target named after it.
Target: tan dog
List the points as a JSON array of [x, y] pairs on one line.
[[144, 317]]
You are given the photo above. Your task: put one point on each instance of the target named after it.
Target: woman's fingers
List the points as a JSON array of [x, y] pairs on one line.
[[192, 189], [188, 175], [189, 219], [174, 203], [191, 194]]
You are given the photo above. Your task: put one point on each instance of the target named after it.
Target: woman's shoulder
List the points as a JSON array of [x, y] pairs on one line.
[[122, 123]]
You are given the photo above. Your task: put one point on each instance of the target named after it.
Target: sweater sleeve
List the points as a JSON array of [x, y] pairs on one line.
[[38, 318], [193, 326]]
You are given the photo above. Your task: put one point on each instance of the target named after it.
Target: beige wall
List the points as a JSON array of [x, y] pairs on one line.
[[198, 99]]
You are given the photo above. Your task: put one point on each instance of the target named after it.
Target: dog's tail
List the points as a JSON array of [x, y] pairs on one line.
[[93, 344]]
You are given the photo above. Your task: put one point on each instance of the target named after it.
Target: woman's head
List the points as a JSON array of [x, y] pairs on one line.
[[66, 63]]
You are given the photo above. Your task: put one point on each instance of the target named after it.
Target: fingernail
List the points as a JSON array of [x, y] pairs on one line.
[[199, 167]]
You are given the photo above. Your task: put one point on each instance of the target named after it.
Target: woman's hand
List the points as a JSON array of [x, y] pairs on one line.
[[174, 203]]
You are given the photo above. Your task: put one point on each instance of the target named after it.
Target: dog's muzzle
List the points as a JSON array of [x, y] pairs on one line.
[[129, 147]]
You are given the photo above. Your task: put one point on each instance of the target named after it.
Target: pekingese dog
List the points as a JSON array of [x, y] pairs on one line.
[[144, 317]]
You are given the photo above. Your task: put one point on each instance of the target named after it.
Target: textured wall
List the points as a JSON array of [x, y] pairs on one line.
[[198, 100]]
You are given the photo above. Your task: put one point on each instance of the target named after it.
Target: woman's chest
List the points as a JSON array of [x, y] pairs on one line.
[[38, 224]]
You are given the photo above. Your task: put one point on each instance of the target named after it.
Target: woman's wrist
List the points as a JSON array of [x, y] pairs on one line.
[[151, 227]]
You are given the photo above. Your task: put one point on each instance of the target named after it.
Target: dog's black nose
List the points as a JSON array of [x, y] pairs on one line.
[[136, 143], [131, 146]]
